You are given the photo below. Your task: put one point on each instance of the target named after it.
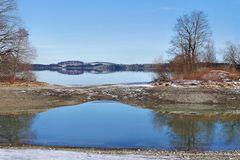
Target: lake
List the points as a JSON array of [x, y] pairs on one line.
[[87, 78], [109, 124]]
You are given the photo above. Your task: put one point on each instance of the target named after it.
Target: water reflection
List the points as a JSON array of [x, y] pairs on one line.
[[15, 128], [231, 130], [114, 125], [94, 79], [200, 132], [187, 133]]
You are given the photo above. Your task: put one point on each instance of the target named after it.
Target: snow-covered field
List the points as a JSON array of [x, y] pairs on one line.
[[42, 154]]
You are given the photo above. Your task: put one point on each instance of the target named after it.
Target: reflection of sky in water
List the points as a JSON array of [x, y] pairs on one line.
[[114, 125], [94, 79], [111, 124], [228, 135], [98, 125]]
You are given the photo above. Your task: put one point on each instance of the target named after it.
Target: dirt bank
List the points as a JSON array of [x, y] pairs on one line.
[[20, 99]]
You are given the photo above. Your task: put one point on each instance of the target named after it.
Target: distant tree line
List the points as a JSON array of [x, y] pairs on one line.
[[16, 51], [97, 67]]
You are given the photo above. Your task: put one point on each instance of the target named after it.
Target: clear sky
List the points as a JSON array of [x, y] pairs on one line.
[[120, 31]]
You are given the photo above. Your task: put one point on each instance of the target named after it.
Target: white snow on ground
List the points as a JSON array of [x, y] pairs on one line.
[[42, 154]]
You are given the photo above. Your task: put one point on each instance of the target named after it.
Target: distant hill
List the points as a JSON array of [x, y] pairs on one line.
[[72, 63], [78, 67]]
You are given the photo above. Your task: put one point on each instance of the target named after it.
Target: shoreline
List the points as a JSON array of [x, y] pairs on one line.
[[198, 102], [165, 99], [29, 152]]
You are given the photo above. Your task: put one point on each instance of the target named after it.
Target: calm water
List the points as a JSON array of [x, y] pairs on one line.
[[94, 79], [110, 124]]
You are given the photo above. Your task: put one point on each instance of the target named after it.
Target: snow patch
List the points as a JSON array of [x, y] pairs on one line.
[[41, 154]]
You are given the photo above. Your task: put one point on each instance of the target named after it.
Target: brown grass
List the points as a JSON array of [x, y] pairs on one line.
[[210, 73], [21, 83]]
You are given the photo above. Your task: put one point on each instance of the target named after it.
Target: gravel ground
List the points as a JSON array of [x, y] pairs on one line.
[[50, 154], [170, 99]]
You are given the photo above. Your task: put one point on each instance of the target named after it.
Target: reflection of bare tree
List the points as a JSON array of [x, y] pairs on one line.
[[160, 121], [232, 131], [191, 133], [188, 133], [15, 128]]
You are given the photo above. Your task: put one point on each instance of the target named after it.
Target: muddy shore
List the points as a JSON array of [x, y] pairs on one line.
[[187, 100]]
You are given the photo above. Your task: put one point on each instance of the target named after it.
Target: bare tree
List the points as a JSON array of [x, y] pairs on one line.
[[8, 25], [232, 54], [209, 54], [192, 35], [22, 54], [162, 72], [15, 50]]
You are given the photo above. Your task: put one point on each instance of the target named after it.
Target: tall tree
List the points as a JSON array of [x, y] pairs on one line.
[[22, 53], [15, 49], [192, 35]]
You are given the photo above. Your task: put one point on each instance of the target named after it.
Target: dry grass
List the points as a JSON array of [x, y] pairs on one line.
[[20, 83], [218, 74]]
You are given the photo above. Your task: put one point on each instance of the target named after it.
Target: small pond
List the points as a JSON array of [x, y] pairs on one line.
[[108, 124]]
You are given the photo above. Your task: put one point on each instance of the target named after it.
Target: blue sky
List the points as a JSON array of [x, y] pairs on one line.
[[120, 31]]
